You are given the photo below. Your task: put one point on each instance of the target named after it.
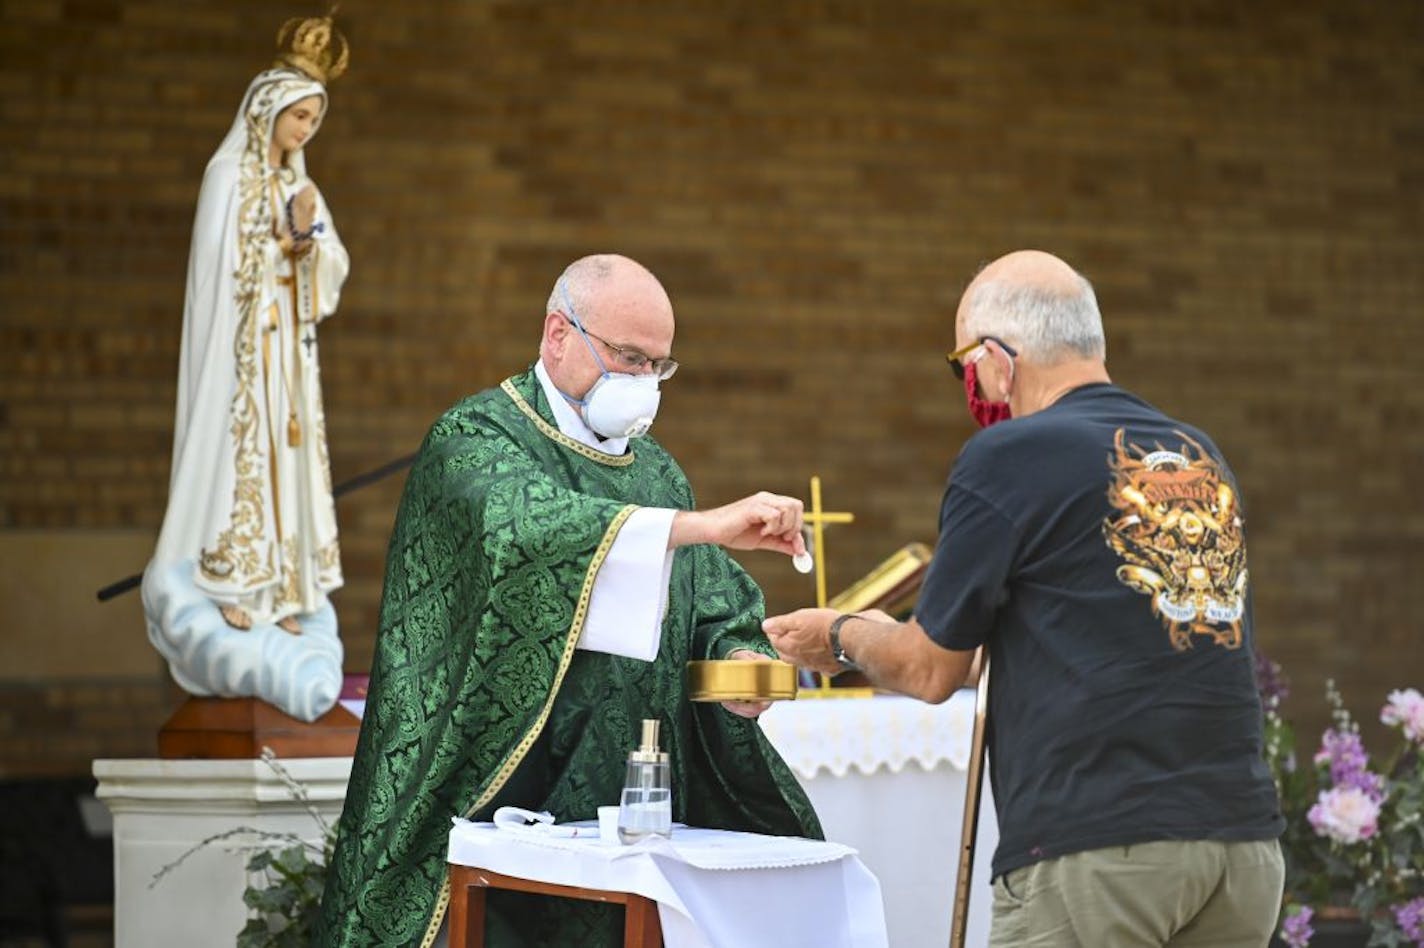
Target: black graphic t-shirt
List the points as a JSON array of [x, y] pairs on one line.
[[1098, 547]]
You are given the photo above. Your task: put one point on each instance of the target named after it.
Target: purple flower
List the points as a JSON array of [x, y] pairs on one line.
[[1295, 930], [1271, 681], [1349, 764], [1410, 917], [1346, 814]]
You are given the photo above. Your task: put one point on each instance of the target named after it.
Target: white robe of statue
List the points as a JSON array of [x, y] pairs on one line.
[[250, 519]]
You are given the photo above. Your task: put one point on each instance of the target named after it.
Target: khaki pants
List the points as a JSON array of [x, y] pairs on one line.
[[1173, 892]]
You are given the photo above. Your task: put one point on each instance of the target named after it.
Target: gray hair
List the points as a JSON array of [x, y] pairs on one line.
[[577, 285], [1046, 324]]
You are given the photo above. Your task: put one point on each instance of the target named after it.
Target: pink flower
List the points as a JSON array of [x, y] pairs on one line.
[[1406, 708], [1346, 814]]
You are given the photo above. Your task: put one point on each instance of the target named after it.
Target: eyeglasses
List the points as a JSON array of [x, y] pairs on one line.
[[956, 358], [628, 359]]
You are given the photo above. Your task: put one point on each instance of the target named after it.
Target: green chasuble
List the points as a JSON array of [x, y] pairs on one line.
[[478, 697]]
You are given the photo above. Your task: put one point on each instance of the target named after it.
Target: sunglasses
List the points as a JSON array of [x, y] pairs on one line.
[[956, 358]]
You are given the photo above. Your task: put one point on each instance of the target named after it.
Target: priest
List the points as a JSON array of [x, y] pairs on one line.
[[547, 581]]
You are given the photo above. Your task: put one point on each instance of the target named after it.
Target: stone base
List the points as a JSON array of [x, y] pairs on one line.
[[164, 808], [238, 729]]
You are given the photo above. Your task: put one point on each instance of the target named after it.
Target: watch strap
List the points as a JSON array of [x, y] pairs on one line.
[[837, 650]]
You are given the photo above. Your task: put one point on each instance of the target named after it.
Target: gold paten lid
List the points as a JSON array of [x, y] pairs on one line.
[[737, 680]]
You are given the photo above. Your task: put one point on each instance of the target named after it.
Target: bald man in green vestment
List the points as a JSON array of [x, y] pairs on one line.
[[547, 581]]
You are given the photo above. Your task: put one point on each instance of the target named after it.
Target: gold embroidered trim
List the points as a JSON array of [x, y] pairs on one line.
[[554, 434], [274, 324], [441, 904], [513, 761], [291, 568], [329, 557]]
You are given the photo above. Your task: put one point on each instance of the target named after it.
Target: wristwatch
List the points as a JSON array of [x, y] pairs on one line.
[[837, 652]]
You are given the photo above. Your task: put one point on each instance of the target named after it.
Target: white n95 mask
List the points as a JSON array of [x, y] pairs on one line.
[[621, 406]]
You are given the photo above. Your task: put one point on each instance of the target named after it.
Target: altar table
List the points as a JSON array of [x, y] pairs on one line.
[[887, 776], [712, 887]]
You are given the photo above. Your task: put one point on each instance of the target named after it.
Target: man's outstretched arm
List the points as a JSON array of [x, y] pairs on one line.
[[897, 656]]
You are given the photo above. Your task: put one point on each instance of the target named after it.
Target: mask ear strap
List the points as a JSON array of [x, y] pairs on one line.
[[580, 402], [573, 318]]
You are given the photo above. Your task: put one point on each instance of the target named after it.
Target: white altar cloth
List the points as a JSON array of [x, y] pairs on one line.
[[887, 777], [806, 893]]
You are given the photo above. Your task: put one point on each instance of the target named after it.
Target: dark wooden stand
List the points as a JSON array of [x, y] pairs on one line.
[[468, 886], [238, 729]]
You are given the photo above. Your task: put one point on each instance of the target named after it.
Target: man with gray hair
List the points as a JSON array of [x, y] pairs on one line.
[[1096, 548], [547, 582]]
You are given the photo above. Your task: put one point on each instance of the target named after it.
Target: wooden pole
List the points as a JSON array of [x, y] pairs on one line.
[[959, 921]]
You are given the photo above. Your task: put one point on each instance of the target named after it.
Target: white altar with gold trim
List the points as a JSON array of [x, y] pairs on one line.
[[887, 775]]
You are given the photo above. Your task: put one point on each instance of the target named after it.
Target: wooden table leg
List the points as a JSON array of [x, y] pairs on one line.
[[468, 885], [641, 926], [467, 908]]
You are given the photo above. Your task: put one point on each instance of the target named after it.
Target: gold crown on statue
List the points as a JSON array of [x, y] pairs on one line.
[[313, 45]]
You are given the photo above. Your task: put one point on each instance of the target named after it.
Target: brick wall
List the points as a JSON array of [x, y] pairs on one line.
[[814, 180], [54, 727]]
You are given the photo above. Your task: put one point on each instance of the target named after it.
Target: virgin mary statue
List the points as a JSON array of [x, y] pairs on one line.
[[235, 596]]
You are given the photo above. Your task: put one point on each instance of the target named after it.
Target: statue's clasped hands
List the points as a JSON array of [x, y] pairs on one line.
[[294, 233]]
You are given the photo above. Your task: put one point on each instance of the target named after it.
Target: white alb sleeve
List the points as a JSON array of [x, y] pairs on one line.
[[630, 592]]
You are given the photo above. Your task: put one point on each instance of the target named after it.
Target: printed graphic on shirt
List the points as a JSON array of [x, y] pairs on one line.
[[1178, 528]]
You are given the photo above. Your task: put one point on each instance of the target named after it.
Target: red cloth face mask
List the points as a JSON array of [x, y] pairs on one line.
[[985, 412]]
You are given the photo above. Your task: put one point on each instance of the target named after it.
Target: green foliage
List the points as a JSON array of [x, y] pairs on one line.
[[285, 895], [284, 891]]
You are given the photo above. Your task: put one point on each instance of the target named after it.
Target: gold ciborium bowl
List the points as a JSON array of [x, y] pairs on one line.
[[736, 680]]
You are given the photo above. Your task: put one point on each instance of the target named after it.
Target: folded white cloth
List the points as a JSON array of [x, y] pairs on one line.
[[519, 820]]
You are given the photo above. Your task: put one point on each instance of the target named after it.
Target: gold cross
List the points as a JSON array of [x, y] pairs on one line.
[[816, 518]]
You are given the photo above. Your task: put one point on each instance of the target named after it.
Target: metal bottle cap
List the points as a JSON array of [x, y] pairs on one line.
[[648, 752]]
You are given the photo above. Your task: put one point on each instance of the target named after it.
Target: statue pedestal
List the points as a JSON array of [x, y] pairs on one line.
[[162, 808], [238, 729]]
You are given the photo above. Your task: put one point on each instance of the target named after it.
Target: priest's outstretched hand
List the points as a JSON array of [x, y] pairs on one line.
[[762, 521], [747, 709]]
